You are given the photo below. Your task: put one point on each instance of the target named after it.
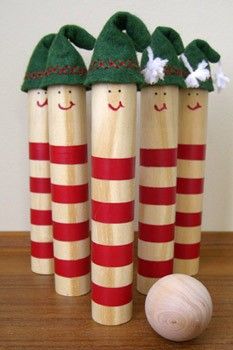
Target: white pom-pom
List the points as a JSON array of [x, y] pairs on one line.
[[221, 79], [154, 69], [200, 74]]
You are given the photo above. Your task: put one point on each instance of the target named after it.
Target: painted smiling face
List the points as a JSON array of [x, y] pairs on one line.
[[195, 99], [113, 117], [161, 99], [159, 113], [194, 103], [38, 122], [115, 96], [193, 115], [67, 114], [41, 98], [65, 98]]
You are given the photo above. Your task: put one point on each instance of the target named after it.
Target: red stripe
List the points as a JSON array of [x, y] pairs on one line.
[[155, 269], [69, 194], [68, 154], [157, 195], [111, 296], [158, 157], [42, 250], [112, 213], [41, 217], [190, 186], [113, 169], [187, 251], [191, 152], [72, 268], [70, 232], [188, 219], [112, 256], [38, 151], [156, 233], [40, 185]]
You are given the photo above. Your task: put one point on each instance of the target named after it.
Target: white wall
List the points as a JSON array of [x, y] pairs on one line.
[[24, 22]]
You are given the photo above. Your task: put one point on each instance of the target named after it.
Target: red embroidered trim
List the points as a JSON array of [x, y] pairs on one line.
[[168, 70], [113, 64], [67, 70], [130, 64]]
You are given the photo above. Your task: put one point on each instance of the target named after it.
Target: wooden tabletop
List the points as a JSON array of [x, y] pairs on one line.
[[33, 316]]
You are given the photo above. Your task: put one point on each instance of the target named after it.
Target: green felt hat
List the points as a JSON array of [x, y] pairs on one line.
[[160, 64], [114, 58], [65, 66], [37, 64], [195, 60]]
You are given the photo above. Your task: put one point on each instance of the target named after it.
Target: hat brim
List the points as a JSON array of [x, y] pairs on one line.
[[172, 80], [62, 80], [31, 85], [114, 76]]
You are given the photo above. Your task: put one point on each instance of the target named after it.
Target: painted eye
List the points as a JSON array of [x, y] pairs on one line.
[[69, 91], [119, 90], [189, 94], [197, 93], [165, 93], [59, 92], [109, 91], [38, 92], [156, 93]]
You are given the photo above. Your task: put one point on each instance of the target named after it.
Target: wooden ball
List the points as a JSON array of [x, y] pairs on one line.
[[178, 307]]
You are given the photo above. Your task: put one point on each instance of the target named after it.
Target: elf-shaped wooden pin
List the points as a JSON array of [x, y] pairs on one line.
[[41, 219], [114, 74], [191, 152], [158, 148], [64, 78]]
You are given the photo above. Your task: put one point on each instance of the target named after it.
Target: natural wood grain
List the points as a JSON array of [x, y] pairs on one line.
[[73, 250], [159, 121], [69, 174], [38, 116], [40, 201], [154, 251], [112, 277], [187, 234], [192, 125], [39, 169], [161, 214], [114, 191], [189, 203], [186, 167], [108, 234], [192, 130], [70, 213], [179, 307], [33, 316], [159, 128], [67, 127], [113, 132], [157, 176], [113, 136]]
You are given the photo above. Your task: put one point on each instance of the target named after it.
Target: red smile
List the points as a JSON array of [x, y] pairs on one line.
[[66, 108], [164, 106], [195, 107], [42, 104], [116, 108]]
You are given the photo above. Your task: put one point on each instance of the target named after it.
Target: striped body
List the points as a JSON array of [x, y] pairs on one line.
[[69, 189], [190, 179], [40, 201], [113, 168], [157, 184]]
